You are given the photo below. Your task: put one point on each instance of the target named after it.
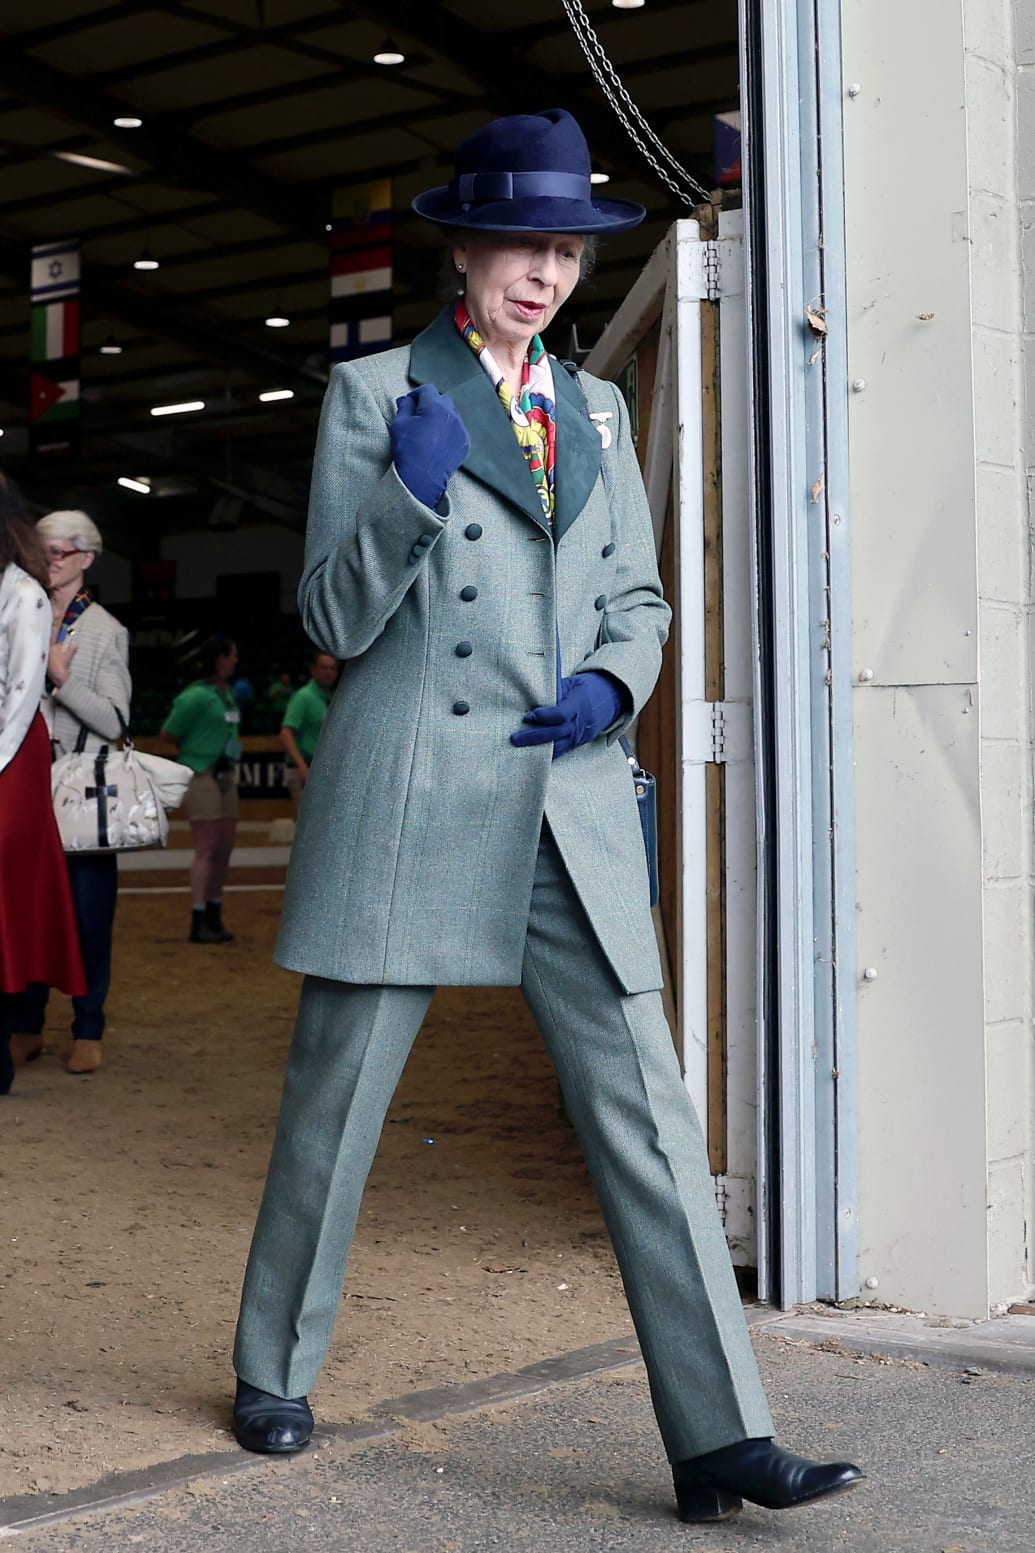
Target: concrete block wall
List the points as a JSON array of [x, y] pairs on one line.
[[1024, 85], [923, 1159], [941, 336], [999, 35]]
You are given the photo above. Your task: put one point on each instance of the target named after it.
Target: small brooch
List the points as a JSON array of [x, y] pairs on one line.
[[600, 419]]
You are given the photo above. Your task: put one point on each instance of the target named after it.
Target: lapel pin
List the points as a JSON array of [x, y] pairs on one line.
[[600, 419]]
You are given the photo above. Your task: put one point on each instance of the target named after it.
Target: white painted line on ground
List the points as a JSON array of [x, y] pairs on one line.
[[161, 860], [184, 889]]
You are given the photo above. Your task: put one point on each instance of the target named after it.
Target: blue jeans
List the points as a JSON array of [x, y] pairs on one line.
[[95, 885]]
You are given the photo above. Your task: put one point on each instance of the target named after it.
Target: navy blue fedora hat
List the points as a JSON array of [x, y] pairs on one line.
[[528, 173]]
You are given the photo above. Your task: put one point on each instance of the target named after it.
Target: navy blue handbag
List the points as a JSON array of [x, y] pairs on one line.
[[647, 805]]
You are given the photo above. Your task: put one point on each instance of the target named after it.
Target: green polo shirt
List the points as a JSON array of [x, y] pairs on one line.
[[207, 723], [304, 716]]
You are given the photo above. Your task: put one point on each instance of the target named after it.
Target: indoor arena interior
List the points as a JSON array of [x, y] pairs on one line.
[[198, 166]]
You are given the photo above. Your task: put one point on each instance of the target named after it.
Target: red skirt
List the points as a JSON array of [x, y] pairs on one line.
[[39, 940]]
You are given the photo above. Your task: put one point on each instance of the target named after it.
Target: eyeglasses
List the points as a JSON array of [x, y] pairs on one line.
[[54, 554]]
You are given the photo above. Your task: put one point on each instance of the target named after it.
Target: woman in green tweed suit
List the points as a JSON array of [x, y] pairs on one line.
[[480, 548]]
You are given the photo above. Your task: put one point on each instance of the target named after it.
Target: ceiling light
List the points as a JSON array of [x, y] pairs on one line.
[[111, 347], [277, 321], [177, 409], [628, 5], [388, 54], [277, 393], [127, 122], [600, 177], [134, 485], [95, 163], [146, 261]]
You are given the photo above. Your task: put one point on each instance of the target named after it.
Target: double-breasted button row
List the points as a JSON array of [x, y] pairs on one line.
[[473, 531], [468, 594], [608, 550]]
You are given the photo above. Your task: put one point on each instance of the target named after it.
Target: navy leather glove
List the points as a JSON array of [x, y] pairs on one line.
[[589, 704], [429, 442]]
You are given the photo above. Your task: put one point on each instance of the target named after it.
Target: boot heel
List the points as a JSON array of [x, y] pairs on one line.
[[698, 1500]]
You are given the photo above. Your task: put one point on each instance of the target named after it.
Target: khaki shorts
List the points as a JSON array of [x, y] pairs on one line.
[[293, 783], [212, 798]]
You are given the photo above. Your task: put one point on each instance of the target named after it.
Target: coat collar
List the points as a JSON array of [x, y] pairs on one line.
[[441, 356]]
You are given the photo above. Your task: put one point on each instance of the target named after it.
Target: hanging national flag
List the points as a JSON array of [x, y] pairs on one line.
[[53, 401], [55, 271], [360, 336], [55, 330], [54, 346], [361, 270]]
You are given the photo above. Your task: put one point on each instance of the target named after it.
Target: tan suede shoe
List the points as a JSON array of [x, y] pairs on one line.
[[85, 1057], [25, 1048]]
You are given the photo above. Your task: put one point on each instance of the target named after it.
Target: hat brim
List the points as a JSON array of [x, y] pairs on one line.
[[580, 217]]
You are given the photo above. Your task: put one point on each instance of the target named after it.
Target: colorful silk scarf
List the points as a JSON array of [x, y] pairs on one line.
[[82, 601], [532, 412]]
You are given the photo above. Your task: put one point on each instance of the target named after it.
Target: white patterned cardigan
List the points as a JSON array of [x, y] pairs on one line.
[[25, 626], [98, 688]]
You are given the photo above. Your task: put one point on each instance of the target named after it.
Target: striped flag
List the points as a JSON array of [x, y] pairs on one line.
[[55, 271], [55, 330], [54, 345], [361, 270]]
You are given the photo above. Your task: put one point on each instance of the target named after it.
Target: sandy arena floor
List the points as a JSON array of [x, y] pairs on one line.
[[127, 1201]]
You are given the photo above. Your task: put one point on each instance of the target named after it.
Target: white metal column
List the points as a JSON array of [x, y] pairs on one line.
[[792, 127]]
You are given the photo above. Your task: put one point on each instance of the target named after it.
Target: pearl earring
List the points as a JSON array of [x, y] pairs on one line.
[[459, 269]]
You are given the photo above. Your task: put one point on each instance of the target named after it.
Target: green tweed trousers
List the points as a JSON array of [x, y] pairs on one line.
[[641, 1138]]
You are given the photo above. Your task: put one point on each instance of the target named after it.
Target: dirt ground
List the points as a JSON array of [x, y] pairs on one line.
[[127, 1201]]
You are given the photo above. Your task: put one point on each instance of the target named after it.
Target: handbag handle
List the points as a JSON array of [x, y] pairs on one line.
[[84, 733], [627, 750]]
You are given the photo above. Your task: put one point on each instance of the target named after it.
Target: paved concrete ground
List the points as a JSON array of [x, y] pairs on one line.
[[949, 1447]]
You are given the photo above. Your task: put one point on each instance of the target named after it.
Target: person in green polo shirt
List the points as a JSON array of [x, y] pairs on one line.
[[205, 725], [303, 720]]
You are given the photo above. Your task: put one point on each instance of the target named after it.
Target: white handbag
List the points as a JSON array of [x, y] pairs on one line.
[[115, 800]]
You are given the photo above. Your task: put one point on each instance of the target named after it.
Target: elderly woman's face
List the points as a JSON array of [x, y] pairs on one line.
[[65, 563], [516, 281]]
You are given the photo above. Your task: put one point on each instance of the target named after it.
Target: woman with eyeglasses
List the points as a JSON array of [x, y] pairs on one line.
[[89, 695], [38, 935]]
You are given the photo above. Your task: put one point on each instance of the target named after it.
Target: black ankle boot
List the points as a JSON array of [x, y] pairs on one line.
[[271, 1425], [711, 1487], [200, 932], [214, 920]]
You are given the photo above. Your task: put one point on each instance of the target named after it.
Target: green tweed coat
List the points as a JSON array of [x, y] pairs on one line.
[[416, 845]]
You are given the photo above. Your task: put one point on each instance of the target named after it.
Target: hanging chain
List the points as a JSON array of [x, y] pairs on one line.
[[632, 120]]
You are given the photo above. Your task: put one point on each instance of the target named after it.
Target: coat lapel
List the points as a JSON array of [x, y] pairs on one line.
[[578, 450], [441, 356]]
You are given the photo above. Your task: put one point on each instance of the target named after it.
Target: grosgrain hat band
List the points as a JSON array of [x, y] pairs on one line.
[[484, 188]]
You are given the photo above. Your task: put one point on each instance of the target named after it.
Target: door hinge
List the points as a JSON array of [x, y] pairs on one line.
[[711, 270], [717, 732]]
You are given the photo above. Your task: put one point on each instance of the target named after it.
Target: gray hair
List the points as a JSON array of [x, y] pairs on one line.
[[76, 528]]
